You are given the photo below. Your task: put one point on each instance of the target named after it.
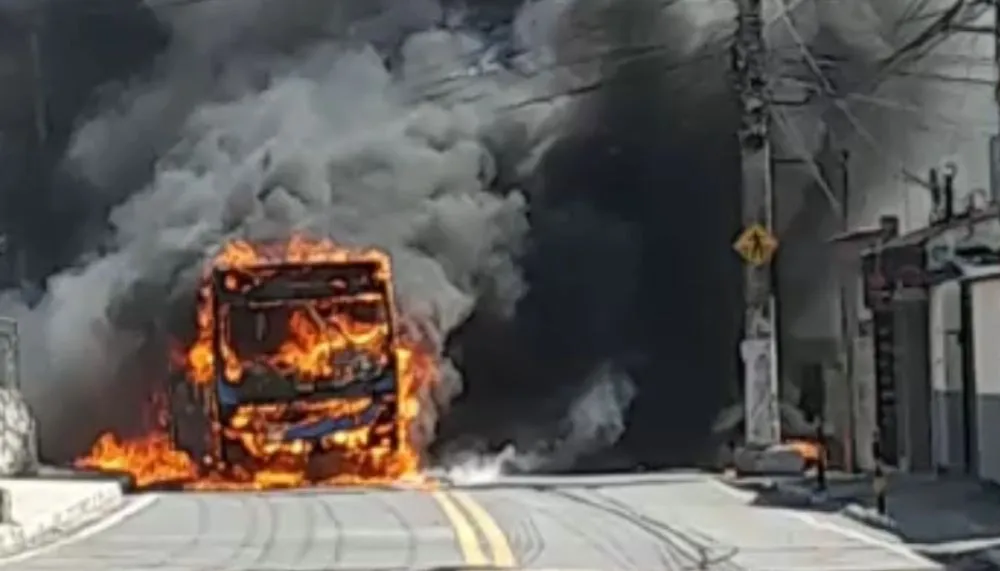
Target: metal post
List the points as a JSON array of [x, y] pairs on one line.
[[848, 321], [759, 347], [879, 482], [996, 50], [38, 92], [822, 454], [40, 118], [995, 139], [948, 192]]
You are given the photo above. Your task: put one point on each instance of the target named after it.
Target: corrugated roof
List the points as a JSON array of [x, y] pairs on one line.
[[921, 236]]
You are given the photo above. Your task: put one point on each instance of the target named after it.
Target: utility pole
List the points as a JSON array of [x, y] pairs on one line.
[[994, 193], [759, 346], [25, 25], [40, 110], [848, 320], [994, 197]]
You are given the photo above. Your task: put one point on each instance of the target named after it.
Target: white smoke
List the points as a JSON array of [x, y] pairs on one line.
[[273, 116], [594, 421]]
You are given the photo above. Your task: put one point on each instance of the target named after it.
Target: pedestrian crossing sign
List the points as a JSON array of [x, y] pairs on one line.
[[756, 245]]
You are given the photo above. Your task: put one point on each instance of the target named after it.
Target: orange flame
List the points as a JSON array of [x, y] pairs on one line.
[[810, 451], [313, 332]]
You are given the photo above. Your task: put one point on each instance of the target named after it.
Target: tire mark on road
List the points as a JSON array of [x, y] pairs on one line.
[[411, 535], [668, 558], [273, 516], [522, 533], [309, 539], [329, 513], [203, 520], [535, 544], [671, 541], [528, 541], [247, 541], [602, 543]]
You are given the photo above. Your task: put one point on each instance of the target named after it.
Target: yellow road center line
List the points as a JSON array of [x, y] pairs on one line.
[[468, 540], [503, 555]]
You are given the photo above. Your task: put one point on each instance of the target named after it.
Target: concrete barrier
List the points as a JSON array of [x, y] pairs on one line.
[[43, 509], [18, 435], [774, 460]]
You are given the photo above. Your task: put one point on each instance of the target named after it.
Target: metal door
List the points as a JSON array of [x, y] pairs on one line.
[[985, 313]]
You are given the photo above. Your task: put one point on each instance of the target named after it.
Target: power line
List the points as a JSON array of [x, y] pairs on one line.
[[800, 148], [615, 77], [955, 126], [931, 37], [619, 59], [618, 55], [917, 12], [829, 91], [961, 126]]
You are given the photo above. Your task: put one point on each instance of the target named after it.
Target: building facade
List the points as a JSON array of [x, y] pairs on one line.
[[965, 360], [934, 297]]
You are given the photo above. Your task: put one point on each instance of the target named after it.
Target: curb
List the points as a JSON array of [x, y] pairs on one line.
[[15, 537], [870, 517], [806, 495], [850, 510]]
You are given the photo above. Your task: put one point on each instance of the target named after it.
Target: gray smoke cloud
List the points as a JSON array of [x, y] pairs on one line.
[[288, 118], [387, 123]]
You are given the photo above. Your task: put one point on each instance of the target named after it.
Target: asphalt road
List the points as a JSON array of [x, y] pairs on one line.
[[657, 522]]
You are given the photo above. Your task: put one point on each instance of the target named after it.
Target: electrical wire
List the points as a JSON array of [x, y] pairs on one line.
[[620, 59], [615, 77], [917, 12], [439, 86], [926, 41], [799, 147], [940, 77], [932, 37], [959, 126], [829, 91], [110, 6], [955, 127]]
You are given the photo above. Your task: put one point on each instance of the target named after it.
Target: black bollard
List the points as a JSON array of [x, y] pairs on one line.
[[820, 456], [879, 483], [880, 486], [729, 470]]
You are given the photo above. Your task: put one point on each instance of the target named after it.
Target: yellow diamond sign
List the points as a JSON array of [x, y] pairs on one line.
[[756, 245]]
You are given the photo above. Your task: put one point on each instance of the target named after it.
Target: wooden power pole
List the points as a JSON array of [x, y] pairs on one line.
[[994, 197], [756, 244]]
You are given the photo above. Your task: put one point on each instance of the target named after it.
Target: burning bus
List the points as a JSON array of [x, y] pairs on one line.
[[300, 372]]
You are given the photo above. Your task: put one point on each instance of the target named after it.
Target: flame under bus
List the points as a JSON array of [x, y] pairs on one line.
[[304, 370]]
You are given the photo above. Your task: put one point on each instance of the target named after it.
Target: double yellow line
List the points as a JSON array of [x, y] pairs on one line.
[[470, 521]]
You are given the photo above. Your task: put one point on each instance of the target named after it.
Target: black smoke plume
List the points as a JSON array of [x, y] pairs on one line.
[[576, 210]]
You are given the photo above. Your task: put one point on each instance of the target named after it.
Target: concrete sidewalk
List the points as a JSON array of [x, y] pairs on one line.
[[936, 515], [43, 508]]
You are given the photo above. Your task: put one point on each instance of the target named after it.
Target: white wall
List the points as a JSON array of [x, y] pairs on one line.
[[946, 380], [986, 350]]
